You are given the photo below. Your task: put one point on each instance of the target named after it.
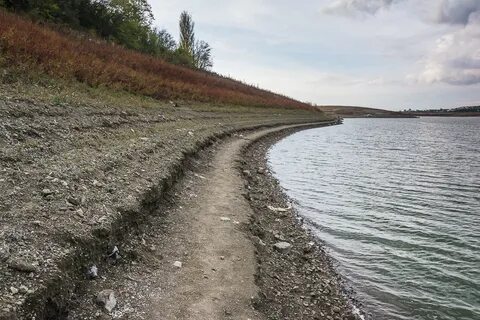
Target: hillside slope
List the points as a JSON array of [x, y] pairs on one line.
[[28, 45], [81, 169], [90, 145]]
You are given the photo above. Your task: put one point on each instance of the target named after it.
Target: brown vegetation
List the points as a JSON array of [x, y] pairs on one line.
[[98, 63]]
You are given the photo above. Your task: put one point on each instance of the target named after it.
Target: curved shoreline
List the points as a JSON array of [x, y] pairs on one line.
[[140, 262], [78, 180], [300, 282]]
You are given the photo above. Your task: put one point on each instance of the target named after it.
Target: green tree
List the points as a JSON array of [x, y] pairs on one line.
[[187, 33], [202, 55], [126, 22]]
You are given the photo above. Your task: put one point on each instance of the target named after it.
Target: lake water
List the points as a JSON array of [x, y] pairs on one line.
[[397, 204]]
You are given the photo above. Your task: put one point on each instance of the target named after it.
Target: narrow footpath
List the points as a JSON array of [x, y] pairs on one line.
[[216, 280], [199, 262]]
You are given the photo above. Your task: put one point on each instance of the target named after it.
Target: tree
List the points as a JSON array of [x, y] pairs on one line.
[[187, 33], [165, 40], [125, 22], [199, 51], [202, 56]]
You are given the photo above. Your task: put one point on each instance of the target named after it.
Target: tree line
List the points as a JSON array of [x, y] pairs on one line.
[[125, 22]]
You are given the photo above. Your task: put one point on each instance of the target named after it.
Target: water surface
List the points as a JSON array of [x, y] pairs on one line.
[[397, 203]]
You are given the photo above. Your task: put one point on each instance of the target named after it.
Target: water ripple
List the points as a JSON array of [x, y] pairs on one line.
[[397, 203]]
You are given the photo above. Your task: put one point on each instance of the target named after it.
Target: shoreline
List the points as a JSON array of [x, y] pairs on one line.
[[176, 232], [78, 179], [138, 264], [299, 282]]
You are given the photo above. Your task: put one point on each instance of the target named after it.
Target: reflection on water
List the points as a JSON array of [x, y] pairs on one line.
[[397, 202]]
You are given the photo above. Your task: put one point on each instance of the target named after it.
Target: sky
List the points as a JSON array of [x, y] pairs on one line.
[[392, 54]]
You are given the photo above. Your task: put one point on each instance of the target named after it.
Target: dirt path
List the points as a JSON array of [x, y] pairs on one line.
[[216, 280], [77, 179], [206, 229]]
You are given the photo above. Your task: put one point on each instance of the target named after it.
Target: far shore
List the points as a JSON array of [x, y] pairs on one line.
[[364, 112]]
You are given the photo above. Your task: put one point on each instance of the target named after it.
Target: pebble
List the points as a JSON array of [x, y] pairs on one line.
[[23, 266], [177, 264], [247, 173], [4, 254], [46, 192], [309, 247], [79, 212], [282, 246], [23, 289], [13, 290], [106, 298], [92, 272], [225, 219], [74, 201], [115, 254]]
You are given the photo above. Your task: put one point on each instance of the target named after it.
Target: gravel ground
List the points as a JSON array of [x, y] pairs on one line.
[[76, 179]]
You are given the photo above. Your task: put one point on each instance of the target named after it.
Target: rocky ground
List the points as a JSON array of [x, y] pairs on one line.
[[295, 275], [194, 257], [77, 178]]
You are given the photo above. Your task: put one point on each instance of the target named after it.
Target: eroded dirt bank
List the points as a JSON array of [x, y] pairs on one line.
[[77, 180]]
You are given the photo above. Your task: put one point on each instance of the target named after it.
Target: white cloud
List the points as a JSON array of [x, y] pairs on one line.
[[327, 59], [357, 7], [456, 56]]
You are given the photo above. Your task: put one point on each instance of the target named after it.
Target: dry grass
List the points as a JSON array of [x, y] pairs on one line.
[[97, 63]]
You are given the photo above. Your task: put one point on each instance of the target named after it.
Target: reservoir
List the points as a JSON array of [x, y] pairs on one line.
[[397, 204]]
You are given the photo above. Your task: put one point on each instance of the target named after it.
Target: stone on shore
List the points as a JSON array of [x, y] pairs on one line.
[[282, 246], [106, 298], [22, 266]]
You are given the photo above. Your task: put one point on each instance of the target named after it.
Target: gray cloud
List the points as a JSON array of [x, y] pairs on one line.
[[456, 57], [357, 7], [456, 11]]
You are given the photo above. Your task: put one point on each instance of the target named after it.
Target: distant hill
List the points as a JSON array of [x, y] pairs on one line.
[[467, 111], [362, 112]]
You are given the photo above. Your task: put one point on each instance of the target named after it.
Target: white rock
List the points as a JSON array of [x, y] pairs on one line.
[[225, 219], [13, 290], [92, 272], [278, 209], [106, 298], [282, 246], [177, 264]]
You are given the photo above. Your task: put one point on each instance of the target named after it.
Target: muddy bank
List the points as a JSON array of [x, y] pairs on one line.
[[76, 180], [295, 275]]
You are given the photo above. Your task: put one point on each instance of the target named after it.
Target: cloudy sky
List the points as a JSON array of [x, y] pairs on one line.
[[394, 54]]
